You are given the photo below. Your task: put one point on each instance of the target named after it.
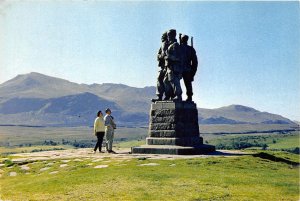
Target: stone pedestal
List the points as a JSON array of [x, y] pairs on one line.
[[173, 129]]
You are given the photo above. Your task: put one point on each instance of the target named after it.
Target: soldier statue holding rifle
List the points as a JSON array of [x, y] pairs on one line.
[[189, 65], [173, 123]]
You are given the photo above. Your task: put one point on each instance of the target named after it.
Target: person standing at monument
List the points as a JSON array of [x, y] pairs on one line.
[[174, 68], [109, 130], [99, 130], [189, 64], [160, 88]]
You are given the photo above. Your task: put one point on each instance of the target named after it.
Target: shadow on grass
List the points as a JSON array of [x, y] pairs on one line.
[[224, 153], [261, 155], [275, 158]]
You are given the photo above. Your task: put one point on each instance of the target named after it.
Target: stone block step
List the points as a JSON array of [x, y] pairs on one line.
[[184, 141], [175, 150], [173, 133]]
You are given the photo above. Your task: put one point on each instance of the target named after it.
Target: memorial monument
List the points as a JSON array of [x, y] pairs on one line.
[[173, 126]]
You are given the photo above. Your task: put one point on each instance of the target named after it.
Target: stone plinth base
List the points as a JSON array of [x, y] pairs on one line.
[[173, 129], [175, 150]]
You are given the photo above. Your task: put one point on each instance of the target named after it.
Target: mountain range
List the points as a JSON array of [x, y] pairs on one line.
[[40, 100]]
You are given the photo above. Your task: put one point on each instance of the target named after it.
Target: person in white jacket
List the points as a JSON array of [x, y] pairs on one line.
[[99, 131]]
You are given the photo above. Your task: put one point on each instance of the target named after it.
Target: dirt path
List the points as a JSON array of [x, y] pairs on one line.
[[79, 154]]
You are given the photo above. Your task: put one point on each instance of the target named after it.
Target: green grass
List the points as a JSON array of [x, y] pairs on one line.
[[129, 144], [214, 178], [7, 150], [274, 140], [291, 141], [217, 178]]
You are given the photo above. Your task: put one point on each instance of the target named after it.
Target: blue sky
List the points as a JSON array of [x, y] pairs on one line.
[[248, 51]]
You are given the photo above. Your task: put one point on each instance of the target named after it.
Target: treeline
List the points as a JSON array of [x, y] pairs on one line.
[[292, 150], [51, 149], [79, 144], [245, 142], [87, 143], [241, 145], [74, 143], [284, 132], [244, 145]]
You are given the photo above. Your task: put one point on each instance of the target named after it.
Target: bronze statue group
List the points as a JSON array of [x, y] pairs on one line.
[[175, 61]]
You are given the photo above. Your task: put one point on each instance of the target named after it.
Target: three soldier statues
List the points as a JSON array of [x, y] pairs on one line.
[[173, 123], [175, 61]]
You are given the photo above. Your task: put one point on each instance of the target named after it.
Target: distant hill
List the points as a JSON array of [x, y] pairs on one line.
[[297, 122], [37, 99], [36, 85], [239, 114]]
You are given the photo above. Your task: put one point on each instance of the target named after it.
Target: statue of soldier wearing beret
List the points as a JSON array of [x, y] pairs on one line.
[[160, 86]]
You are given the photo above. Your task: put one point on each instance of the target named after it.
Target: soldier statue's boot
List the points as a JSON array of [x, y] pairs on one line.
[[157, 99], [189, 99], [168, 98], [177, 99]]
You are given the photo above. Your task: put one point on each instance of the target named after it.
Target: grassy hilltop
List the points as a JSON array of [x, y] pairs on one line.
[[205, 178], [62, 174]]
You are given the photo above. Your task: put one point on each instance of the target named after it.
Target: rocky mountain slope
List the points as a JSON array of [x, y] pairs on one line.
[[37, 99]]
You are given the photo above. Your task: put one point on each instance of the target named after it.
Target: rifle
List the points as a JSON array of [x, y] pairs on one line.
[[192, 41], [180, 38]]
